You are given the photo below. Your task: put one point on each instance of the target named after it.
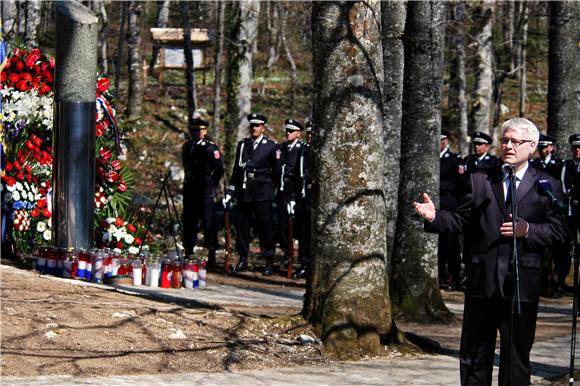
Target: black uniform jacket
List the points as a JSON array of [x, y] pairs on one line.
[[203, 166], [553, 167], [254, 177], [452, 186], [480, 215], [472, 163], [292, 168]]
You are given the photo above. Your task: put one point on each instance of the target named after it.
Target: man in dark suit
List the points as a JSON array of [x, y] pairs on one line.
[[546, 160], [452, 188], [484, 214], [253, 183], [203, 170]]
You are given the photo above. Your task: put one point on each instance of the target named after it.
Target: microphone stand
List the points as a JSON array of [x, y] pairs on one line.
[[515, 296], [574, 253]]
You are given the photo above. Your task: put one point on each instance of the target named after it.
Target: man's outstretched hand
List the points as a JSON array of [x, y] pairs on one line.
[[426, 209]]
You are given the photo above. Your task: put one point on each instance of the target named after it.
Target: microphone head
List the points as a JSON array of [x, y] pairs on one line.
[[543, 186], [507, 168]]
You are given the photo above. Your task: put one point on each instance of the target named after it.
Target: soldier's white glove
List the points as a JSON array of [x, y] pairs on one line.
[[225, 201], [290, 206]]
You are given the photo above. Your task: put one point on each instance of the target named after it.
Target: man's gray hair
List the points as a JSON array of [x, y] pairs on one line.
[[522, 124]]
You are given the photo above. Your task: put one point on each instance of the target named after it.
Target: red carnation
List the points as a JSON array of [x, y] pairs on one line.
[[20, 176], [19, 66], [8, 166], [46, 213], [119, 245], [106, 153], [29, 144], [37, 141], [119, 222], [138, 241], [122, 187], [35, 212], [10, 181], [41, 203], [103, 84], [3, 77], [25, 76], [22, 86], [17, 165], [116, 164], [44, 89], [13, 78], [131, 228]]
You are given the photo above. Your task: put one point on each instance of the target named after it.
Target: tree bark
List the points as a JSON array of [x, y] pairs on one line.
[[273, 29], [480, 119], [9, 18], [231, 119], [249, 10], [32, 22], [519, 52], [214, 131], [103, 36], [393, 24], [21, 18], [347, 296], [564, 71], [414, 286], [135, 60], [120, 46], [457, 77], [289, 57], [161, 22], [189, 71]]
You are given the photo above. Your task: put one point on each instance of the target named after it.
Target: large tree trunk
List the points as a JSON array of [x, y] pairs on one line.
[[480, 119], [32, 22], [414, 286], [161, 22], [457, 76], [249, 10], [9, 16], [231, 119], [120, 46], [393, 20], [217, 85], [564, 78], [189, 71], [347, 297], [135, 61]]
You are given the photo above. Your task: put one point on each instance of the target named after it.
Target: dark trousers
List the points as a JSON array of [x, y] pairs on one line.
[[449, 257], [481, 321], [262, 212], [196, 210]]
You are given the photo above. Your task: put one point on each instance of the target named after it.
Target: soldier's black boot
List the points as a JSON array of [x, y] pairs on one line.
[[211, 263], [269, 269], [242, 265]]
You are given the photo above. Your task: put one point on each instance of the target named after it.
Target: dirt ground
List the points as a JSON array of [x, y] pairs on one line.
[[52, 327]]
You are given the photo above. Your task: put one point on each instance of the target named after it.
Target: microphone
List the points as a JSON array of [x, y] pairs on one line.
[[509, 169], [544, 188]]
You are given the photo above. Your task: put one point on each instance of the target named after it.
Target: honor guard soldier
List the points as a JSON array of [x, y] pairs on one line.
[[291, 167], [570, 185], [203, 170], [546, 161], [304, 206], [481, 159], [253, 183], [452, 189]]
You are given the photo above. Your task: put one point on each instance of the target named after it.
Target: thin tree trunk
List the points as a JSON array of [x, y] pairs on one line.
[[189, 71], [9, 16], [161, 22], [231, 119], [217, 86], [273, 28], [414, 286], [135, 60], [249, 10], [32, 22], [283, 40], [103, 36], [522, 16], [120, 46], [564, 73], [393, 20], [347, 296], [481, 114], [458, 78]]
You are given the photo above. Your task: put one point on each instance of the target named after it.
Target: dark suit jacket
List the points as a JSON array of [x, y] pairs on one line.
[[479, 217]]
